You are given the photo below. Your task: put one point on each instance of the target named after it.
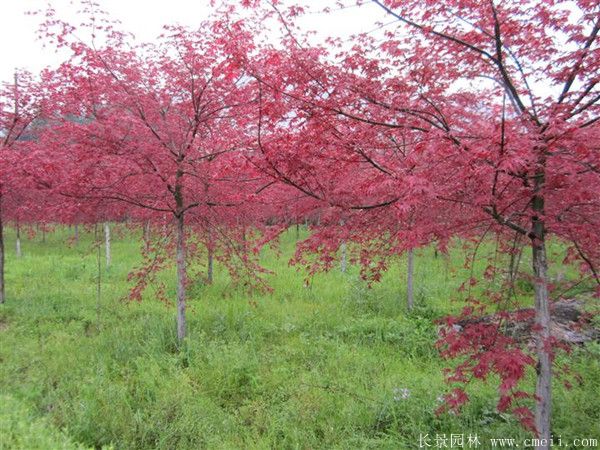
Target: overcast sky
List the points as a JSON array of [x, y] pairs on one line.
[[21, 49]]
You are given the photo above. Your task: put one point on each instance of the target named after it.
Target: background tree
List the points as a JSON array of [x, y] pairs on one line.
[[18, 110]]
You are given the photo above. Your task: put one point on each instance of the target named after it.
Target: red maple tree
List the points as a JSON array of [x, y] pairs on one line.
[[486, 111], [161, 128]]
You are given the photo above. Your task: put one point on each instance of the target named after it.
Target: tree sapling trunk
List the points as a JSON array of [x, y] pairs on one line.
[[147, 233], [107, 244], [2, 295], [409, 280], [181, 277], [18, 242], [210, 268], [543, 389]]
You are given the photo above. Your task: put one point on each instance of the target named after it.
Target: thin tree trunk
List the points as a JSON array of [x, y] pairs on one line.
[[181, 277], [147, 233], [543, 389], [18, 242], [211, 255], [343, 251], [99, 273], [2, 292], [209, 269], [297, 231], [409, 280], [107, 243], [542, 318]]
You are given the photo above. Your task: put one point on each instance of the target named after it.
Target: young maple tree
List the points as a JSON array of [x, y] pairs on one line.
[[537, 164], [157, 127], [498, 103], [19, 109], [305, 142]]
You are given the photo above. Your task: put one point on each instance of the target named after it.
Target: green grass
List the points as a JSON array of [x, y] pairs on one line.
[[299, 368]]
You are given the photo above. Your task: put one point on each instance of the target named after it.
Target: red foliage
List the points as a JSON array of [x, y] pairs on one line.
[[465, 119], [468, 119]]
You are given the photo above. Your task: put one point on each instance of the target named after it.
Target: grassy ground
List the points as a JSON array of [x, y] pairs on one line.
[[333, 365]]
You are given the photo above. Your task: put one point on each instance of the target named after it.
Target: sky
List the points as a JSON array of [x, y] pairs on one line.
[[144, 18]]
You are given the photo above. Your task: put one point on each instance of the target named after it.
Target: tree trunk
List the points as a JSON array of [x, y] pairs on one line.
[[297, 231], [409, 280], [209, 270], [343, 251], [98, 273], [147, 234], [210, 248], [107, 243], [543, 389], [18, 242], [181, 277], [2, 295]]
